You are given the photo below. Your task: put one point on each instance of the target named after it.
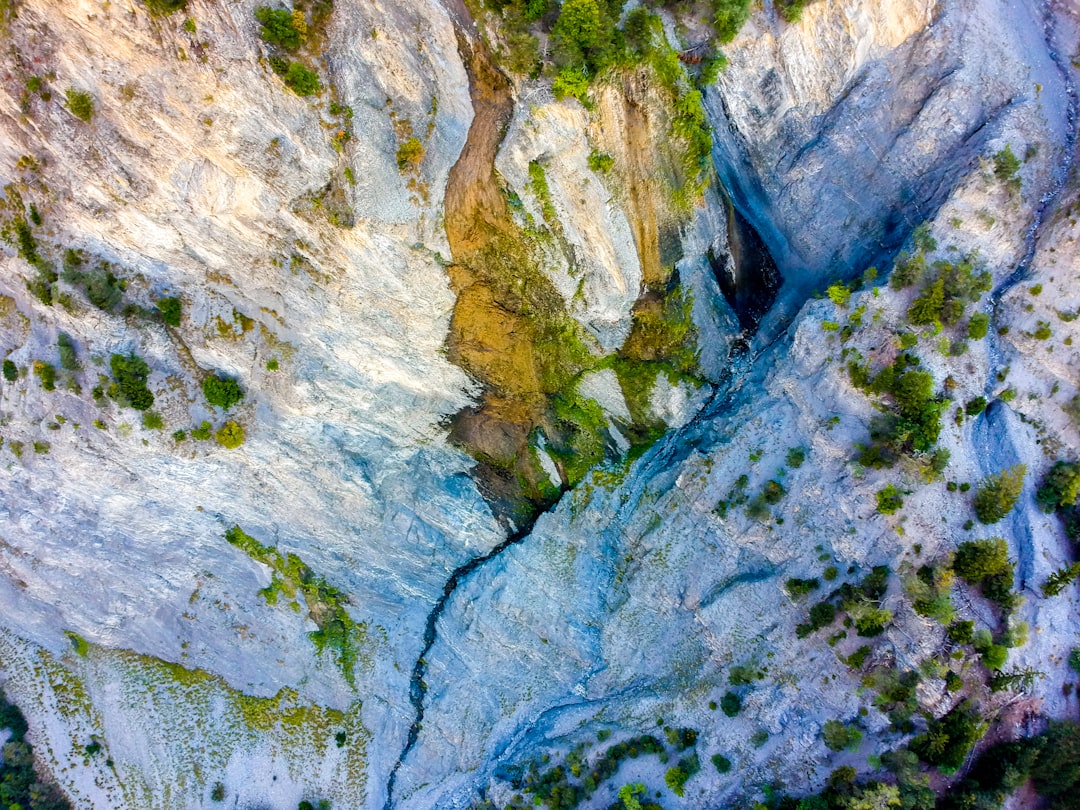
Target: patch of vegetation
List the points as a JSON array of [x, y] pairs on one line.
[[171, 310], [20, 786], [798, 588], [101, 285], [151, 420], [128, 388], [930, 589], [948, 740], [677, 777], [1061, 579], [221, 391], [889, 500], [912, 422], [839, 737], [11, 371], [601, 162], [997, 494], [410, 154], [731, 704], [1006, 168], [80, 103], [337, 631], [230, 435], [281, 27], [539, 185], [986, 564], [46, 372], [163, 8]]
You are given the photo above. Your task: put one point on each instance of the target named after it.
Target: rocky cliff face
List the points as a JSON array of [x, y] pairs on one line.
[[311, 257]]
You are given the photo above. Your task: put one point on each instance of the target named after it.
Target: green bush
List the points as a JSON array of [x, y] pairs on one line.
[[1061, 487], [731, 704], [152, 420], [1006, 165], [203, 432], [961, 632], [798, 588], [889, 500], [721, 763], [571, 82], [1074, 660], [838, 736], [1060, 580], [162, 8], [171, 310], [69, 361], [230, 435], [222, 392], [977, 560], [975, 406], [994, 656], [410, 154], [46, 372], [978, 326], [129, 388], [728, 17], [795, 457], [278, 28], [218, 793], [948, 740], [80, 103], [998, 494], [601, 162], [11, 371], [301, 80]]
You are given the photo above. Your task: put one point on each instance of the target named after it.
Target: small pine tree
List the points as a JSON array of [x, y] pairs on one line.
[[998, 494], [926, 309], [1060, 580]]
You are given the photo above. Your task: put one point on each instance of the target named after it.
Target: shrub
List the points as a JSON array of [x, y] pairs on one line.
[[838, 736], [1006, 165], [410, 154], [162, 8], [1060, 580], [986, 563], [218, 793], [858, 658], [839, 294], [171, 310], [202, 433], [948, 740], [731, 704], [272, 364], [798, 588], [994, 656], [129, 382], [1074, 660], [998, 494], [230, 435], [961, 632], [301, 80], [278, 28], [889, 500], [11, 371], [721, 763], [152, 420], [975, 406], [795, 457], [570, 82], [179, 435], [870, 621], [80, 103], [68, 359], [728, 17], [601, 162], [978, 326], [222, 392], [46, 372], [1061, 487]]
